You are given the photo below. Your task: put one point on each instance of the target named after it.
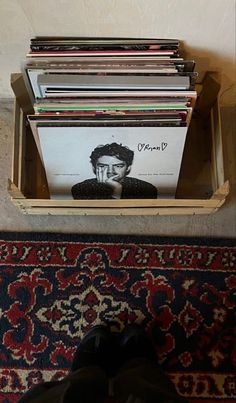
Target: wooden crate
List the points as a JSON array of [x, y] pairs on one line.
[[202, 188]]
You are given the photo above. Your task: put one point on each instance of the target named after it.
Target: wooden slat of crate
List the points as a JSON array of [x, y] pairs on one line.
[[117, 212], [217, 159], [16, 145], [119, 207]]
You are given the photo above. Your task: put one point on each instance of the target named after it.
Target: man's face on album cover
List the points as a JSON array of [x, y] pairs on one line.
[[111, 167]]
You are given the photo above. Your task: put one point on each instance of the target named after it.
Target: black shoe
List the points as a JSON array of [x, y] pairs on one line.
[[135, 343], [95, 349]]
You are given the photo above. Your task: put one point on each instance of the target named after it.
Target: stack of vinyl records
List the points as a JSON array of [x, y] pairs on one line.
[[111, 114]]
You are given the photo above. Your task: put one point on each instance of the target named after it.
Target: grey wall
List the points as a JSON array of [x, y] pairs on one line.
[[206, 27]]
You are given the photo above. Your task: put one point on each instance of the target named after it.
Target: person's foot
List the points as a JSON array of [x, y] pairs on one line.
[[135, 343], [95, 349]]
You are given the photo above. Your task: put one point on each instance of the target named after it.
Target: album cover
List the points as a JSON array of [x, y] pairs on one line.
[[110, 162]]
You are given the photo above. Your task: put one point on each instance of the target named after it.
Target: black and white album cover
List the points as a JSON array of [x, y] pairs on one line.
[[111, 162]]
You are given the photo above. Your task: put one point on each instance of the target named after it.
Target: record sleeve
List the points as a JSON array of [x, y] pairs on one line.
[[66, 155]]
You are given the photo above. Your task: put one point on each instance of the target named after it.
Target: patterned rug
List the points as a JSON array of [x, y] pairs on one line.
[[55, 287]]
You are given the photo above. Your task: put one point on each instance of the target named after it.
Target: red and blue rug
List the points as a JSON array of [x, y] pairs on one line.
[[55, 287]]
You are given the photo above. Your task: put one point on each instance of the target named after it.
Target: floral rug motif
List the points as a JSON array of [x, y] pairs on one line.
[[55, 287]]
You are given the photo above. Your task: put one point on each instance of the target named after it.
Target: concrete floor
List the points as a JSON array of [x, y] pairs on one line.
[[221, 224]]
